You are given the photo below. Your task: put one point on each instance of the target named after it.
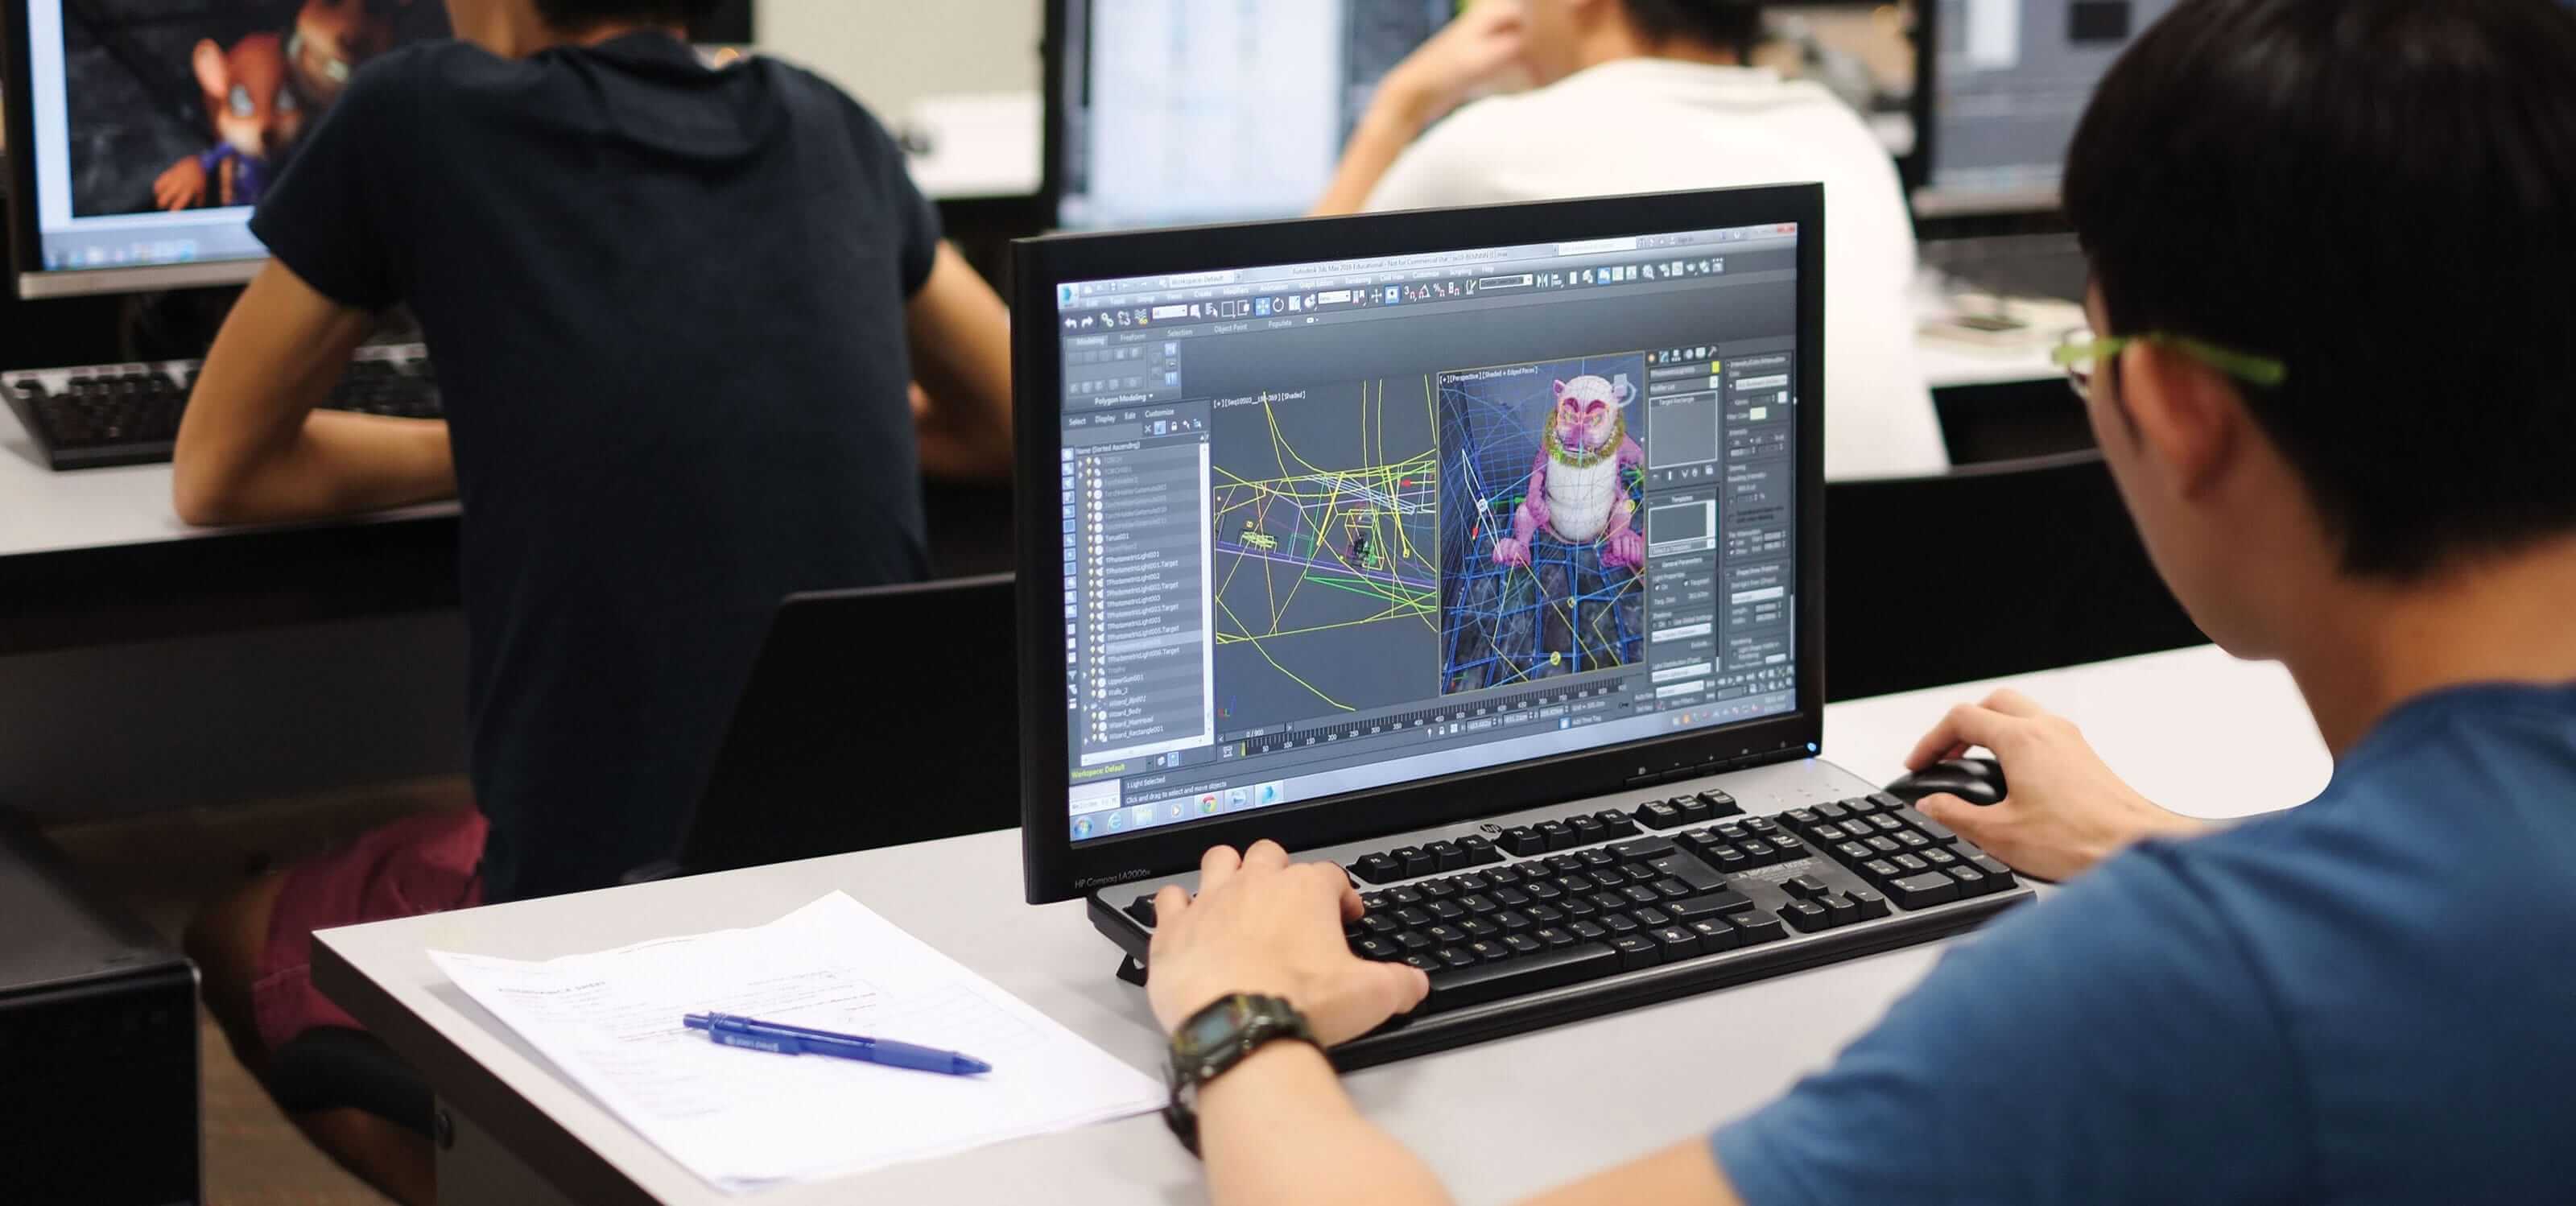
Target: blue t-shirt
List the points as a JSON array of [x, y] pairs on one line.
[[2368, 999]]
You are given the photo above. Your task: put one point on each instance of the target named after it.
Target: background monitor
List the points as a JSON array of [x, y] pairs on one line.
[[2001, 85], [1310, 588], [1168, 112], [141, 131]]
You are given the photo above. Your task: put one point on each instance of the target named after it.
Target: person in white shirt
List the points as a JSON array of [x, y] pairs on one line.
[[1639, 96]]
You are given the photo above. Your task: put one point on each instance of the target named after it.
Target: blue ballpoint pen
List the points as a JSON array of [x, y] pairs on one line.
[[783, 1039]]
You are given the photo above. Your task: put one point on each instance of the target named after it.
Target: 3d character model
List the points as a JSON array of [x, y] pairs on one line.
[[331, 39], [1577, 488], [255, 117]]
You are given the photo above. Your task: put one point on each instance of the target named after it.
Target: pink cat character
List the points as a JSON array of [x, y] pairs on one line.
[[1576, 490]]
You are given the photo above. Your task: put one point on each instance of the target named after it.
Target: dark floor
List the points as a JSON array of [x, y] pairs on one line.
[[162, 865]]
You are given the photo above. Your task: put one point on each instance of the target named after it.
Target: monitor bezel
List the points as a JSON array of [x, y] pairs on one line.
[[26, 238], [1055, 867], [1933, 203]]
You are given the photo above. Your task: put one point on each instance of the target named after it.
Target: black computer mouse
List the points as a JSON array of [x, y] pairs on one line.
[[1976, 780]]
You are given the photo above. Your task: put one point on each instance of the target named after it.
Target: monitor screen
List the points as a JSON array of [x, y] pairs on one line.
[[1182, 111], [152, 126], [2011, 78], [1347, 525]]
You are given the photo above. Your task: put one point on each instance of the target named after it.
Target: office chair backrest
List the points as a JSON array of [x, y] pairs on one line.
[[874, 717], [1985, 571]]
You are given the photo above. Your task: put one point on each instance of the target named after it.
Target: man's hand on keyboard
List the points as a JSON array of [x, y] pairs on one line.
[[2063, 810], [1261, 924]]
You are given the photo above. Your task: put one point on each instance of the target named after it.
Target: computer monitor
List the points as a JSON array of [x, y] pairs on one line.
[[140, 131], [1368, 523], [2001, 85], [1167, 112]]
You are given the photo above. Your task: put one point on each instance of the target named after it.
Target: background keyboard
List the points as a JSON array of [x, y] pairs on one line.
[[1599, 911], [2040, 266], [128, 414]]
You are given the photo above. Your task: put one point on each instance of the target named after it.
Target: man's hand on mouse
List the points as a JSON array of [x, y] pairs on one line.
[[2064, 810], [1261, 924]]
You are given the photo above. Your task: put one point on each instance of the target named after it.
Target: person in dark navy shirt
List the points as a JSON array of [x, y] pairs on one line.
[[676, 310], [2330, 365]]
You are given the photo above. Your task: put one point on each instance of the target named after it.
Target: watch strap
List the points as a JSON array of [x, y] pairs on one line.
[[1258, 1022]]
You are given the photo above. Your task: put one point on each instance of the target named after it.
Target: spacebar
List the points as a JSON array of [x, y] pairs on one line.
[[1459, 987]]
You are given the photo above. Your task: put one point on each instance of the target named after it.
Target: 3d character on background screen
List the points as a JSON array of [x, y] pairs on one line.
[[1578, 488], [263, 91]]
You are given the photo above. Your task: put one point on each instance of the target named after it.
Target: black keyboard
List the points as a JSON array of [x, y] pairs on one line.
[[2035, 266], [128, 414], [1599, 911]]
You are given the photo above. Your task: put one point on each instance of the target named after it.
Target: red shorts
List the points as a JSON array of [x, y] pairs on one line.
[[423, 864]]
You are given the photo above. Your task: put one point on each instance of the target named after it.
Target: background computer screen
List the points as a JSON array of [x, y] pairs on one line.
[[2012, 79], [1338, 526], [1179, 111], [155, 125]]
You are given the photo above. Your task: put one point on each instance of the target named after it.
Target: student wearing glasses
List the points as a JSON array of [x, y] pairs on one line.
[[2332, 367]]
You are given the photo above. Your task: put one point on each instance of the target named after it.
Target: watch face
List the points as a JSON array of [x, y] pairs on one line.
[[1213, 1026]]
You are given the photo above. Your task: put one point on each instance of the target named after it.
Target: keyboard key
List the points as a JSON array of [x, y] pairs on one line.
[[1923, 891], [1940, 859], [1642, 849], [1479, 850], [1926, 826], [1716, 935], [1760, 853], [1439, 889], [1478, 903], [1489, 949], [1579, 906], [1879, 870], [1608, 877], [1997, 874], [1587, 830], [1909, 865], [1470, 983], [1640, 894], [1576, 885], [1672, 889], [1593, 860], [1611, 901], [1472, 882], [1721, 804], [1802, 819], [1373, 947], [1789, 845], [1557, 836], [1761, 826], [1806, 915], [1832, 814], [1715, 904], [1673, 942], [1693, 809], [1854, 853], [1457, 956], [1504, 877], [1887, 823], [1757, 926], [1523, 840], [1480, 927], [1830, 835], [1406, 895], [1544, 914], [1412, 860], [1658, 815], [1618, 923], [1866, 805], [1414, 943], [1511, 898], [1411, 915], [1871, 903], [1727, 859], [1695, 872], [1564, 864], [1616, 823], [1732, 833], [1539, 892], [1446, 856], [1972, 882], [1839, 911], [1553, 936], [1513, 921], [1885, 801], [1428, 963], [1635, 951], [1377, 869], [1650, 917], [1884, 846], [1804, 887], [1445, 934], [1379, 923], [1447, 910], [1913, 841], [1522, 944]]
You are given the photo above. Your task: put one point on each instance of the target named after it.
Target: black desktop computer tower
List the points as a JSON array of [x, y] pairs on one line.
[[98, 1044]]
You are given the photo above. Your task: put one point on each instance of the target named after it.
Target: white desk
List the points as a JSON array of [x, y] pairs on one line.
[[2194, 729]]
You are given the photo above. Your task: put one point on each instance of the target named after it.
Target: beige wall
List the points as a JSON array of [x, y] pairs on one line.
[[889, 53]]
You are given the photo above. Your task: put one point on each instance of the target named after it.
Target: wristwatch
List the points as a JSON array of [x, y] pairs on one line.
[[1217, 1038]]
